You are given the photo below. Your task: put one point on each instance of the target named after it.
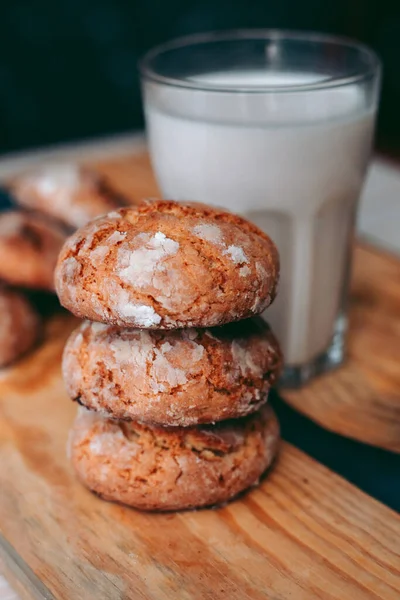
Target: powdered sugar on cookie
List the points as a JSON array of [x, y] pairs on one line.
[[138, 266], [144, 316], [98, 255], [140, 315], [244, 271], [210, 233], [117, 236], [245, 361], [164, 375], [237, 254], [213, 234], [97, 327], [71, 268]]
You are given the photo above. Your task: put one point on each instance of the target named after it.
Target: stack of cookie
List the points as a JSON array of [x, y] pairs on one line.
[[172, 381]]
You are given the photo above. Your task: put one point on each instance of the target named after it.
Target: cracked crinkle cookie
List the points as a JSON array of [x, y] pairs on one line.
[[181, 377], [19, 326], [152, 468], [67, 192], [29, 247], [166, 265]]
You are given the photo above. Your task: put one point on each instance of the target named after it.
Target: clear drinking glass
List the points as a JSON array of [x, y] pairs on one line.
[[278, 127]]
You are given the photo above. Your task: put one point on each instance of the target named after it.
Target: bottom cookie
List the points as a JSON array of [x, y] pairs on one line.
[[155, 468]]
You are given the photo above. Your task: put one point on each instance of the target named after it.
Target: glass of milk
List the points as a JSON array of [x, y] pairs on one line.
[[276, 126]]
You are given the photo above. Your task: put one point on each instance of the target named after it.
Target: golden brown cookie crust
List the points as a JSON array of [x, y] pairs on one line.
[[178, 378], [166, 265], [19, 326], [68, 192], [29, 247], [152, 468]]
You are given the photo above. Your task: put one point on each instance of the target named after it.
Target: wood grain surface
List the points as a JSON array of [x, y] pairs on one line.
[[305, 533], [360, 400]]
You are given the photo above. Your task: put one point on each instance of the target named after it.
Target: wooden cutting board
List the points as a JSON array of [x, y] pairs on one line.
[[304, 534]]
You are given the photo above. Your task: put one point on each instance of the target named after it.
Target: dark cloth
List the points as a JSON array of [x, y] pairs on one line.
[[373, 470]]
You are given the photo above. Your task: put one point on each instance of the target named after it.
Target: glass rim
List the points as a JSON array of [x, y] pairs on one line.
[[147, 72]]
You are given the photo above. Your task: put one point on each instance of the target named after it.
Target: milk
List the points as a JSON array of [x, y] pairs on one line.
[[293, 163]]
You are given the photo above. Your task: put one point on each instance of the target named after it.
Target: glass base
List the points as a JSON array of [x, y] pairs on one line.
[[297, 376]]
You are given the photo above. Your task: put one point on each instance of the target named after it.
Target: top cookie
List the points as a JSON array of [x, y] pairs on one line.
[[67, 192], [167, 265]]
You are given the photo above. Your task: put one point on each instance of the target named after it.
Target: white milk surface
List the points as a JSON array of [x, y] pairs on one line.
[[293, 163]]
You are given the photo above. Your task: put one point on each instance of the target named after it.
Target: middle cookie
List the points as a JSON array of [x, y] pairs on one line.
[[180, 377]]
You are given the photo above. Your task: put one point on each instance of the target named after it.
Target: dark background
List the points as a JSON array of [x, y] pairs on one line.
[[68, 68]]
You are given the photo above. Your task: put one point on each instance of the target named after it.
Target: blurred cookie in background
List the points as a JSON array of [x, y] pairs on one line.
[[29, 247], [67, 192], [19, 326]]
